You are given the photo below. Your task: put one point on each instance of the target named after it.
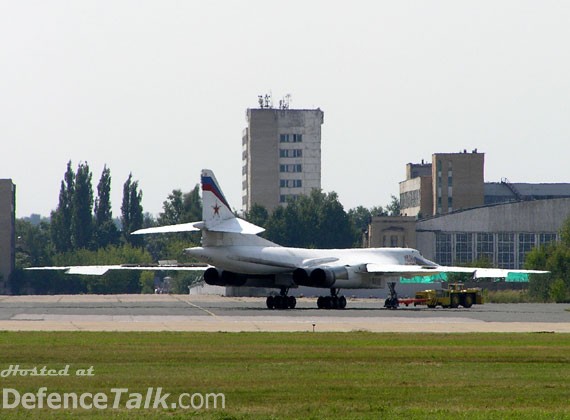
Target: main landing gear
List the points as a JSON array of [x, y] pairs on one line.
[[332, 302], [282, 301]]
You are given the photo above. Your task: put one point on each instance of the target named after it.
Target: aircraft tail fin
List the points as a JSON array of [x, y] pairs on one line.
[[216, 212], [215, 207]]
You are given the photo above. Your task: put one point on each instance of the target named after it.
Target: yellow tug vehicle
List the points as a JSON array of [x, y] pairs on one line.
[[452, 297]]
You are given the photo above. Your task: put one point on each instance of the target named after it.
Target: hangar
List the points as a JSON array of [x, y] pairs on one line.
[[502, 233]]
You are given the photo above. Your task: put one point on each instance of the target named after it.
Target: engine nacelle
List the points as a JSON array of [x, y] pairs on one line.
[[215, 277], [319, 277]]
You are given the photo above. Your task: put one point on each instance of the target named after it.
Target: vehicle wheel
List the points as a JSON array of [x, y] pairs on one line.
[[270, 302], [468, 301], [454, 301], [431, 306]]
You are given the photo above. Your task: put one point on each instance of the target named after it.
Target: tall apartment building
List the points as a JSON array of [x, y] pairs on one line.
[[451, 182], [281, 155], [7, 231]]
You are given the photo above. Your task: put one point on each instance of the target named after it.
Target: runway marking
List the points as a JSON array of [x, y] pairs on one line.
[[80, 328], [198, 307]]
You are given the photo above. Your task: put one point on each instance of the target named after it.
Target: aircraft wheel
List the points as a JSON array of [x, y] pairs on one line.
[[341, 302], [291, 302], [328, 302], [334, 302], [270, 301], [320, 302]]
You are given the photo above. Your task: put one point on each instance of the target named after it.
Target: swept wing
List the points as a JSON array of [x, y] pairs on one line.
[[99, 270]]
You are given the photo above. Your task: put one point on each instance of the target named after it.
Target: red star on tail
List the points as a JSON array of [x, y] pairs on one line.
[[216, 209]]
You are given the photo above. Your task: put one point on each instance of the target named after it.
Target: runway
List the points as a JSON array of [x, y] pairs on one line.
[[235, 314]]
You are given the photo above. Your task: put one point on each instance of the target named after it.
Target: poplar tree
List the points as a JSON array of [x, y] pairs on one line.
[[105, 231], [60, 227], [132, 211], [82, 208]]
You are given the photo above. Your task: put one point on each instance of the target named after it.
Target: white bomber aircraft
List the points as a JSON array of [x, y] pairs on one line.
[[236, 256]]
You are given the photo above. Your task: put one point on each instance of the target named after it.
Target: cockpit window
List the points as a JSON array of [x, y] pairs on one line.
[[425, 262]]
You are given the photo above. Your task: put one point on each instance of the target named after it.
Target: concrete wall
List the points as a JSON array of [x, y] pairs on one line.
[[416, 197], [459, 177], [7, 231], [262, 158]]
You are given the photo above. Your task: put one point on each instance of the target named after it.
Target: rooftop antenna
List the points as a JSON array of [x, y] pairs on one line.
[[265, 101], [284, 103]]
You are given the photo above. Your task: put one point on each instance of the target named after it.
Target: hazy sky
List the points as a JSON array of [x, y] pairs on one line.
[[160, 89]]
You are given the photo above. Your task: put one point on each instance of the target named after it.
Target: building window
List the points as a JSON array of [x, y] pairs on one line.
[[284, 198], [290, 168], [526, 243], [290, 183], [546, 238], [443, 248], [506, 250], [463, 248], [390, 241], [393, 241], [290, 138], [290, 153], [410, 199], [485, 247]]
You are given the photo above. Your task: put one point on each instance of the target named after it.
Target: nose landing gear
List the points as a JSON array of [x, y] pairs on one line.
[[391, 301]]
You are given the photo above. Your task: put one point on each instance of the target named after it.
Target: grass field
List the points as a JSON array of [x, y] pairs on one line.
[[301, 375]]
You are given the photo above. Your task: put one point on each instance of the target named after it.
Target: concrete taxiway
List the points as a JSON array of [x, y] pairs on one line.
[[233, 314]]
